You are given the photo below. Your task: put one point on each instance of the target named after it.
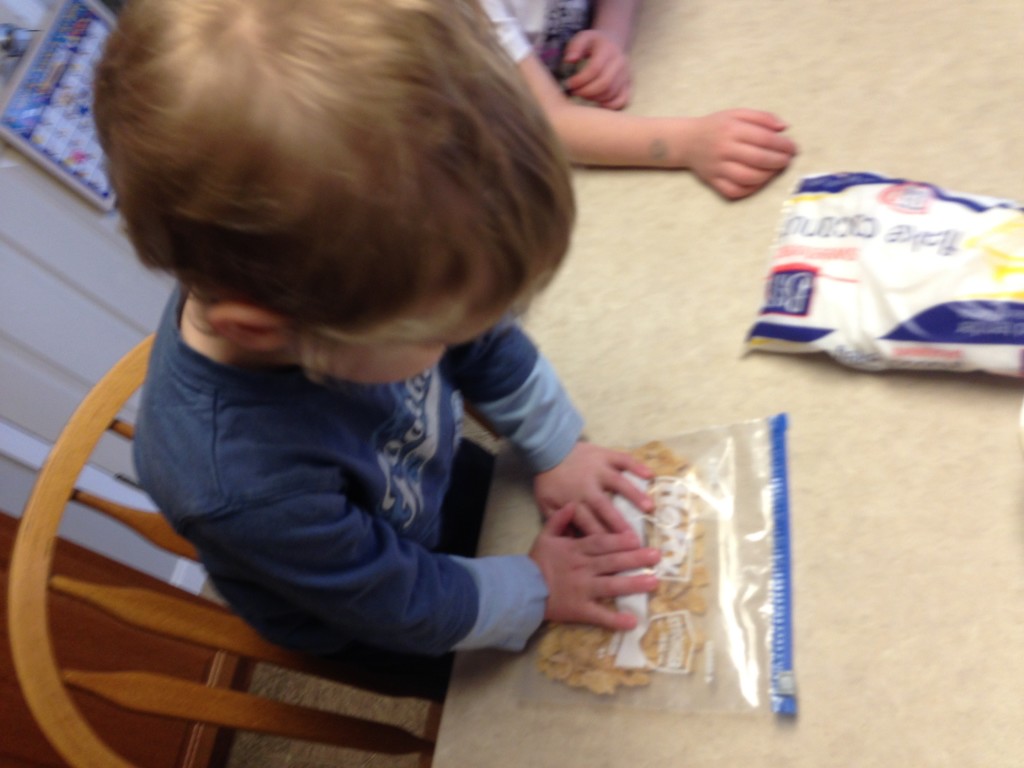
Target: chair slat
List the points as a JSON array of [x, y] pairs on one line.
[[150, 525], [169, 696], [124, 428], [31, 557], [207, 625], [211, 626], [31, 584]]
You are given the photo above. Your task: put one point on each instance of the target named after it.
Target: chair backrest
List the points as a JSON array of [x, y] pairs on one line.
[[184, 618]]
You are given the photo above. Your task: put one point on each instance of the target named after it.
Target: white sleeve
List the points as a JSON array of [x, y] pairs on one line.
[[509, 26]]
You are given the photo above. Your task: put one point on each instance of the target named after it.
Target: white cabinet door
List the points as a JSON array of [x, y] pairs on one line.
[[73, 300]]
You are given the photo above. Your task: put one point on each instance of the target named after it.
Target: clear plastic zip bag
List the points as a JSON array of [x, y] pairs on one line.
[[717, 633]]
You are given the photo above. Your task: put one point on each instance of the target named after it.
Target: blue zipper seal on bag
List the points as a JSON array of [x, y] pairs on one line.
[[783, 681]]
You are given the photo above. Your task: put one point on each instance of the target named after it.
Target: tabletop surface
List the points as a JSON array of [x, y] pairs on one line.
[[907, 489]]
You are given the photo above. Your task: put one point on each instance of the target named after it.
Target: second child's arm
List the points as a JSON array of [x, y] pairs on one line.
[[617, 19], [736, 152]]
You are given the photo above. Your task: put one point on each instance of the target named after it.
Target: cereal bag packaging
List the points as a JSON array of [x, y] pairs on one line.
[[882, 273]]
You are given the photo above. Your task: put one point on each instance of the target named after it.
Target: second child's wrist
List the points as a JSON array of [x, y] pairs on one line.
[[674, 145]]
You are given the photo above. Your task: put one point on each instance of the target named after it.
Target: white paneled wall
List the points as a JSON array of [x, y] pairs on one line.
[[73, 299]]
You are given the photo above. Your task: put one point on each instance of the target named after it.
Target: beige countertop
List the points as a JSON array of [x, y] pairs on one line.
[[907, 489]]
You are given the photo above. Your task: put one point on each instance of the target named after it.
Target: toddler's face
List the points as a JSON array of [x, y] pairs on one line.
[[367, 364], [327, 357], [236, 333]]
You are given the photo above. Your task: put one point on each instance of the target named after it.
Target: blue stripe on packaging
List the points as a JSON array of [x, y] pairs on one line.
[[964, 322], [783, 680], [780, 332], [833, 183]]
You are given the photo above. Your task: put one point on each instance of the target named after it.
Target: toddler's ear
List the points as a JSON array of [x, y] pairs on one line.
[[249, 327]]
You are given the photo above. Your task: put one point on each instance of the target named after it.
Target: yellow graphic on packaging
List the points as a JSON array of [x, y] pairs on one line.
[[809, 198], [1003, 246]]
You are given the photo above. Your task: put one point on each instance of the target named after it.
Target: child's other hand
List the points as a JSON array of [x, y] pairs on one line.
[[588, 478], [738, 151], [605, 77], [580, 572]]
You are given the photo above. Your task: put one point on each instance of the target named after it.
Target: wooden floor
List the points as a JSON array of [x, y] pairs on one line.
[[83, 637]]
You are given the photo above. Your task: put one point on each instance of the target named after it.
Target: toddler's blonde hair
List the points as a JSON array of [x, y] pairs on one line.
[[341, 162]]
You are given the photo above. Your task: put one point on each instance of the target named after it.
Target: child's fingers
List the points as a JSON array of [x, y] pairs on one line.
[[604, 74], [605, 544], [611, 566], [586, 78], [602, 615], [752, 136], [773, 145], [730, 190], [608, 618], [597, 73], [618, 102], [586, 521], [600, 519], [740, 182], [754, 149], [630, 463], [619, 483], [590, 522], [733, 191], [602, 78], [619, 586], [580, 46], [759, 117], [745, 175], [558, 523], [606, 92], [747, 160], [609, 517], [606, 516], [627, 462]]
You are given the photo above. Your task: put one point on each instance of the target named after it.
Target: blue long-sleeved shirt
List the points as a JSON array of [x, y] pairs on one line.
[[315, 508]]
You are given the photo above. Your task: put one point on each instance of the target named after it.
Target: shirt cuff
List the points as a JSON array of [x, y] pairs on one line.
[[538, 418], [512, 601]]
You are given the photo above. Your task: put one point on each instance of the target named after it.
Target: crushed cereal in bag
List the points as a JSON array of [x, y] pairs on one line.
[[715, 633]]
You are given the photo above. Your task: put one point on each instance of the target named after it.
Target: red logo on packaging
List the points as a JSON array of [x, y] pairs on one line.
[[908, 197]]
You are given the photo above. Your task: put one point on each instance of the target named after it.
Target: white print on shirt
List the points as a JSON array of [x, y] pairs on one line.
[[409, 441], [458, 413]]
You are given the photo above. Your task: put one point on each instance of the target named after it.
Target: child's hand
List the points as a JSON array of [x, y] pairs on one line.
[[588, 478], [605, 76], [738, 151], [580, 572]]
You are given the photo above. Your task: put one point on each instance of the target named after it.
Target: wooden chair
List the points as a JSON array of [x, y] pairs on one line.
[[48, 688]]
